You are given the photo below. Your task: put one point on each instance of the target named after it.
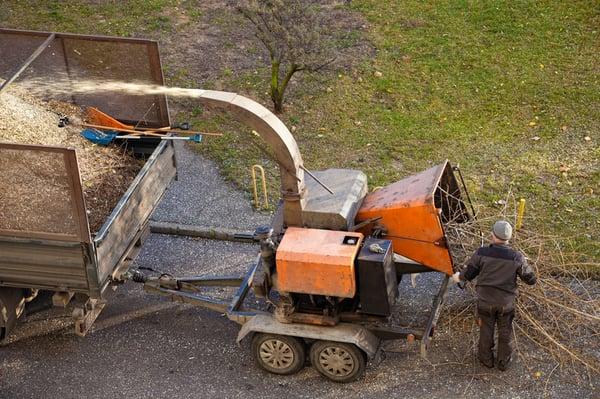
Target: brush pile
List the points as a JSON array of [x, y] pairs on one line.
[[106, 172], [560, 314]]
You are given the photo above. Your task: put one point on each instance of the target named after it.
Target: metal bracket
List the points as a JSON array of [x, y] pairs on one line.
[[62, 298], [436, 308], [86, 314]]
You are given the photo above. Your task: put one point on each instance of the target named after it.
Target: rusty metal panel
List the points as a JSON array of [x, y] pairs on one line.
[[15, 48], [42, 264], [41, 194], [72, 66], [319, 262]]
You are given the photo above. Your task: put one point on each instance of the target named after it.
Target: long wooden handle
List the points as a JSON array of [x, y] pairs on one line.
[[148, 132]]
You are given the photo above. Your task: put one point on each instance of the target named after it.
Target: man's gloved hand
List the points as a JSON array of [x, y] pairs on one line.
[[456, 278]]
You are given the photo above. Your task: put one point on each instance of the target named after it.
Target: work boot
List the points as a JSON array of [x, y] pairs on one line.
[[489, 363], [503, 365]]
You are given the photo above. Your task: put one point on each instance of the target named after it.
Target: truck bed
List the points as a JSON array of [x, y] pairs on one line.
[[86, 266]]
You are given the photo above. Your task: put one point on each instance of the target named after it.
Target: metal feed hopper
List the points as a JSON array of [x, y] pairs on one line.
[[413, 212]]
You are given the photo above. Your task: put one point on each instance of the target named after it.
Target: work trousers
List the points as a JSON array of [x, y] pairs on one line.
[[490, 316]]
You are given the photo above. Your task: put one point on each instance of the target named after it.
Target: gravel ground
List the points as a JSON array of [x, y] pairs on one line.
[[145, 347], [200, 196]]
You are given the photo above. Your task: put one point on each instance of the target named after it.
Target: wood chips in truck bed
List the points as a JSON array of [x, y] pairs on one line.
[[106, 172]]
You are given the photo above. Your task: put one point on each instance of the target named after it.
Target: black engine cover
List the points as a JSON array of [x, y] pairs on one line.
[[377, 282]]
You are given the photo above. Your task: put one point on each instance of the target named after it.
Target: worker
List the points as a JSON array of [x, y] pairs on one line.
[[496, 267]]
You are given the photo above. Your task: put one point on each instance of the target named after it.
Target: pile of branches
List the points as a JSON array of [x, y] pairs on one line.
[[560, 314]]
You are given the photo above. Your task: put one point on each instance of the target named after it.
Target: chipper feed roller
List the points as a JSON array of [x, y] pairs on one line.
[[331, 260]]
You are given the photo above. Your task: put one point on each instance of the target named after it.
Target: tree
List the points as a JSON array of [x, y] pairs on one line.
[[295, 36]]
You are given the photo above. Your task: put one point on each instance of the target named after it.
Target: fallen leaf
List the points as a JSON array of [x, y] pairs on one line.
[[587, 138], [564, 128], [535, 138], [564, 168], [378, 74], [319, 135], [532, 123]]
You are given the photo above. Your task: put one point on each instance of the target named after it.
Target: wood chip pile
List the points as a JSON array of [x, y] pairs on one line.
[[106, 172]]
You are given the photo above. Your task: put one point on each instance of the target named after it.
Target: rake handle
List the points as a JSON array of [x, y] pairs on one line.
[[148, 132]]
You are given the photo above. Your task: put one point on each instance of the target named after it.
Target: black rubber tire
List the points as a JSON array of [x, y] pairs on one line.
[[278, 354], [349, 362]]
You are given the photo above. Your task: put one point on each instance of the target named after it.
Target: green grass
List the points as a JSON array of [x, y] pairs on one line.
[[475, 82], [119, 18], [472, 81]]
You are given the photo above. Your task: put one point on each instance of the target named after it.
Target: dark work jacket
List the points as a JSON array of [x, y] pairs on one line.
[[496, 267]]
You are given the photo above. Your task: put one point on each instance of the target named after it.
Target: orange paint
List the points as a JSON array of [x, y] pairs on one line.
[[314, 261], [97, 117], [411, 218]]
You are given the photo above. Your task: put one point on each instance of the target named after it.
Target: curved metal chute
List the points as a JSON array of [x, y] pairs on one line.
[[279, 138]]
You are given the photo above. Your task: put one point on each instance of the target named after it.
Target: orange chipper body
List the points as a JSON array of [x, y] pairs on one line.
[[412, 211], [321, 262]]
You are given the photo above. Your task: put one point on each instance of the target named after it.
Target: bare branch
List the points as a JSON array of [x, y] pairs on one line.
[[296, 35]]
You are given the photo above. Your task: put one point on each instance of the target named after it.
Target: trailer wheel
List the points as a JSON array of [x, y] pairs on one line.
[[278, 354], [338, 361]]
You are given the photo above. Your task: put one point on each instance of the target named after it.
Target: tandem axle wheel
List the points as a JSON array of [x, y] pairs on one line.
[[285, 355]]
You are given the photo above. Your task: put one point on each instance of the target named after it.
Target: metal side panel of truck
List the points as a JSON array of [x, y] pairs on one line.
[[44, 261]]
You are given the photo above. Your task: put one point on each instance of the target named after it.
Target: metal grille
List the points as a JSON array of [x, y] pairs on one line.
[[14, 50], [40, 193], [70, 59]]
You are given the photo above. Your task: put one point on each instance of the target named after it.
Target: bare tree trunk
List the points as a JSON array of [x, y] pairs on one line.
[[278, 86], [276, 96]]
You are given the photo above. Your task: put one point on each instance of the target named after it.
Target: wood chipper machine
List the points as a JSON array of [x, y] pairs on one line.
[[331, 261], [327, 275]]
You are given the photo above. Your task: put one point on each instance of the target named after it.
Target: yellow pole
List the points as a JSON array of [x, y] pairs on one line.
[[520, 214], [255, 186]]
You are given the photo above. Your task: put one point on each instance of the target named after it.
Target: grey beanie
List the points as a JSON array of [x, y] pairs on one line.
[[502, 230]]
